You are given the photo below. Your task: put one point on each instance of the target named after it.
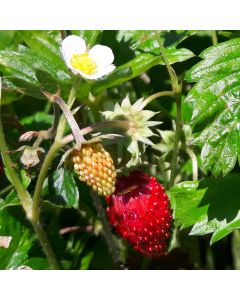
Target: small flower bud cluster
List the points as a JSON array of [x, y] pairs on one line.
[[94, 166]]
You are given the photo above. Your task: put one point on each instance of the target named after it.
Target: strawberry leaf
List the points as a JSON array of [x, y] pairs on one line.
[[146, 54], [36, 64], [211, 206], [216, 110], [11, 200], [21, 239], [91, 37], [60, 188]]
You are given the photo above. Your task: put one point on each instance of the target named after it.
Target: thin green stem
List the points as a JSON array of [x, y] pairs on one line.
[[42, 175], [47, 108], [171, 72], [214, 37], [236, 249], [176, 142], [41, 234], [158, 95], [46, 246], [52, 152], [35, 219], [26, 200], [177, 89], [38, 142], [24, 196], [6, 190]]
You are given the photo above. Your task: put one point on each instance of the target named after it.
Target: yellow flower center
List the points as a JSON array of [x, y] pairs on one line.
[[84, 63]]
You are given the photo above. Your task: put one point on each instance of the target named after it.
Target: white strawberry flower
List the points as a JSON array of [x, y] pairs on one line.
[[89, 63]]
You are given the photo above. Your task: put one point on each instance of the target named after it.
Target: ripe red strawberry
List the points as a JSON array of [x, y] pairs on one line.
[[139, 211]]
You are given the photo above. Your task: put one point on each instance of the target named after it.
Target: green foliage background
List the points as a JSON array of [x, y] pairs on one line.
[[206, 211]]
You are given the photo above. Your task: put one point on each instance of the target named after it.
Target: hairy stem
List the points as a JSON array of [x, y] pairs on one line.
[[158, 95], [35, 219], [68, 116], [26, 200], [42, 175], [171, 72], [214, 37], [121, 124], [177, 89], [51, 154], [236, 249], [47, 249], [71, 99], [107, 233], [176, 143], [24, 196]]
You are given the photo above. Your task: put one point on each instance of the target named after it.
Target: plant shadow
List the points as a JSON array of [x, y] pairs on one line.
[[222, 197]]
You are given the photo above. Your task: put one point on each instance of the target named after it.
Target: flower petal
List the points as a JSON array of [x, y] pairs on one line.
[[72, 44], [102, 55]]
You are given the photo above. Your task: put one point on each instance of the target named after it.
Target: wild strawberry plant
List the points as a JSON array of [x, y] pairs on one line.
[[119, 149]]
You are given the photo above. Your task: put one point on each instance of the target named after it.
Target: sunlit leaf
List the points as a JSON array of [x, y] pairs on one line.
[[215, 99]]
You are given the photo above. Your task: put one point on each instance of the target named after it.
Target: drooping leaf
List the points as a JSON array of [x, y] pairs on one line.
[[216, 110], [211, 205]]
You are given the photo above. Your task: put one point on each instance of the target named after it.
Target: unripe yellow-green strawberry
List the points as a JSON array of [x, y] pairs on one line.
[[94, 166]]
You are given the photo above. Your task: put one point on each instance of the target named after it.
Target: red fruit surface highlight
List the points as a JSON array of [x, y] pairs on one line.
[[139, 211]]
